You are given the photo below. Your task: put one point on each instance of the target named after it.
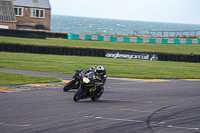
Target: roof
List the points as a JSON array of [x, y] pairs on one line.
[[32, 3], [7, 13]]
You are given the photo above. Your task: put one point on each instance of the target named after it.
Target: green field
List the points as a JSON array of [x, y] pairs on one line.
[[18, 79], [147, 47], [126, 68]]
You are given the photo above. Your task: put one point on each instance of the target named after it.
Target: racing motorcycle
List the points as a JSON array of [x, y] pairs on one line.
[[75, 82], [88, 88]]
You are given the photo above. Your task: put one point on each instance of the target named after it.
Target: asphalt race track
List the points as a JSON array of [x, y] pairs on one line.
[[127, 106]]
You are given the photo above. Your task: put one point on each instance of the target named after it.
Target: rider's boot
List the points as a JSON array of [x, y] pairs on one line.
[[100, 90]]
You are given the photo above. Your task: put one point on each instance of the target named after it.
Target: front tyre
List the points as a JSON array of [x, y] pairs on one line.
[[68, 86], [78, 95]]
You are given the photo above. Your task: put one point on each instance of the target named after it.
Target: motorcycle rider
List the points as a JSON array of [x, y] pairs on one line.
[[101, 76], [91, 69], [74, 83]]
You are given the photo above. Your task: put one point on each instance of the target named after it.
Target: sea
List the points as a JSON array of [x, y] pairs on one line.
[[77, 25]]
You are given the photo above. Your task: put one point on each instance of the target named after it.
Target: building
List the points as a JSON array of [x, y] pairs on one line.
[[7, 15], [30, 14]]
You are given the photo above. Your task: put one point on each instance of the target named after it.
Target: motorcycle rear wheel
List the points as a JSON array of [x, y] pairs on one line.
[[68, 86], [78, 95]]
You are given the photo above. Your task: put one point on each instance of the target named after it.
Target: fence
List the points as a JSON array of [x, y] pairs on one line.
[[183, 34], [56, 35], [133, 39], [96, 52], [31, 34], [43, 35], [23, 33]]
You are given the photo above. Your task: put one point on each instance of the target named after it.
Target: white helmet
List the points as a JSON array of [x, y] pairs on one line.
[[100, 70]]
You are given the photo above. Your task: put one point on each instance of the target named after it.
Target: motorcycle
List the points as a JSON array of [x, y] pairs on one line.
[[88, 88], [75, 82]]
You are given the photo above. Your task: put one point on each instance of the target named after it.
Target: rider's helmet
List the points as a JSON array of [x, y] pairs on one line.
[[100, 70], [92, 68]]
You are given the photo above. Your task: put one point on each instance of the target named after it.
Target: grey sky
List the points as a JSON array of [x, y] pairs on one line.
[[174, 11]]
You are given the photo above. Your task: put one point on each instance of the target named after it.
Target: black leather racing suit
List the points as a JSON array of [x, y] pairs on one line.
[[101, 78]]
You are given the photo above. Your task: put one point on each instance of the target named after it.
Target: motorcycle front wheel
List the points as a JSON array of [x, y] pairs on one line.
[[68, 86], [78, 95]]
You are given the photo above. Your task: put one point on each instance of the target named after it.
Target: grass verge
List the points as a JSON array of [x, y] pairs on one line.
[[126, 68], [142, 47], [18, 79]]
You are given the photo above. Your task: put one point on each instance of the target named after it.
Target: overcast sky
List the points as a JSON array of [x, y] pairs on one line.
[[173, 11]]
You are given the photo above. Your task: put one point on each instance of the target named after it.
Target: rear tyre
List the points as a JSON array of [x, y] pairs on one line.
[[68, 86], [78, 95]]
